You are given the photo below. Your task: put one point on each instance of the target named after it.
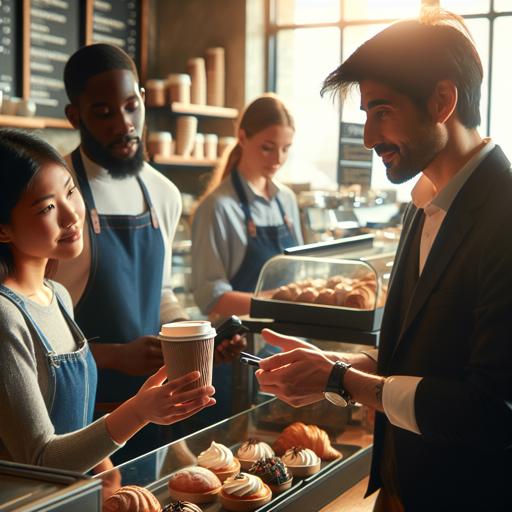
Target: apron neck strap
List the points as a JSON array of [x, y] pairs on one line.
[[85, 188]]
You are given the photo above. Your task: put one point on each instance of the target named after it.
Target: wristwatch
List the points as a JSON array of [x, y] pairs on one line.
[[334, 391]]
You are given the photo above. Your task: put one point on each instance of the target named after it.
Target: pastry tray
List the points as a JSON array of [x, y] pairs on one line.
[[317, 314], [159, 488]]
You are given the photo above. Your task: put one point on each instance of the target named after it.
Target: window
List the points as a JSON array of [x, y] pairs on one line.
[[309, 38]]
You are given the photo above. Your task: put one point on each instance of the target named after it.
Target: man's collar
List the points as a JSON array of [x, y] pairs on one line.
[[424, 194]]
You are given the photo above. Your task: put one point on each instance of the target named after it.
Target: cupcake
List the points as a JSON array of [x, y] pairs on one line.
[[194, 484], [181, 506], [219, 459], [273, 472], [302, 461], [244, 492], [132, 497], [252, 450]]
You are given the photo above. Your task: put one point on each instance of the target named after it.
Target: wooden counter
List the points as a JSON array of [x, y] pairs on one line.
[[353, 500]]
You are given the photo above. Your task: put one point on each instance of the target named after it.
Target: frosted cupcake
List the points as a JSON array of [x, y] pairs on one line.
[[302, 461], [219, 459], [273, 472], [244, 492], [252, 450]]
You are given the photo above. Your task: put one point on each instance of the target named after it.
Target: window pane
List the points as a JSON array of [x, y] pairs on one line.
[[466, 6], [380, 10], [479, 28], [307, 11], [500, 119], [353, 37], [305, 57], [503, 5]]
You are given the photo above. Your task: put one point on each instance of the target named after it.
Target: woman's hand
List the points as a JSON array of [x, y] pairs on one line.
[[165, 404], [156, 402], [110, 481]]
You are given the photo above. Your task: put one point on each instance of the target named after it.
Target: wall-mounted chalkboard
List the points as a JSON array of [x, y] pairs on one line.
[[54, 36], [355, 161], [119, 22], [9, 33]]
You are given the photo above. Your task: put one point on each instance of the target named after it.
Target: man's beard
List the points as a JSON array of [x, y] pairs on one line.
[[414, 157], [118, 168]]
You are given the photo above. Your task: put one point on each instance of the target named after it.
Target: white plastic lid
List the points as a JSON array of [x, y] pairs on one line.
[[215, 49], [155, 83], [179, 79], [211, 137], [199, 137], [160, 136], [188, 330]]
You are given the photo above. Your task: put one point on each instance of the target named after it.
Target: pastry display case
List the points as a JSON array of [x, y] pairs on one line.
[[25, 488], [264, 423], [338, 292]]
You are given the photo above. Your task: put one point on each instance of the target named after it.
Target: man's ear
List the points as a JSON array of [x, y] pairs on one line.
[[143, 94], [72, 115], [443, 101], [5, 236]]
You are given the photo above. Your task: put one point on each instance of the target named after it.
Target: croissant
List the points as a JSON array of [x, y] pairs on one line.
[[362, 297], [132, 498], [306, 436]]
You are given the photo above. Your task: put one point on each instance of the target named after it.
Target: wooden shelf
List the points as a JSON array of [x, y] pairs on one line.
[[182, 161], [34, 122], [193, 109]]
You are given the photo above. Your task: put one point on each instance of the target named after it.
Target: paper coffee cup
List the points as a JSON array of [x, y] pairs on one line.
[[187, 347]]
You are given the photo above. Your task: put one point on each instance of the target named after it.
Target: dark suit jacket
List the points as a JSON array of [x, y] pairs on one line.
[[456, 333]]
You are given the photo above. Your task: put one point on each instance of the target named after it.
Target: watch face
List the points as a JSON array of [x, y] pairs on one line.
[[335, 399]]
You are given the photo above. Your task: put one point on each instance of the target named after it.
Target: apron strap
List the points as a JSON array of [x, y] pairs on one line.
[[85, 188], [244, 203], [20, 303]]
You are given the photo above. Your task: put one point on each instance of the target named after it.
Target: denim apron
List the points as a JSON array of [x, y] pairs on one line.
[[72, 376], [122, 298], [263, 242]]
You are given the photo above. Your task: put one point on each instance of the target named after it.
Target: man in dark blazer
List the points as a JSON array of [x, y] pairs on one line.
[[442, 380]]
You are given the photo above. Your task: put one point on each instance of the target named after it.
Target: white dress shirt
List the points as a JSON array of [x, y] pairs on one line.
[[399, 390]]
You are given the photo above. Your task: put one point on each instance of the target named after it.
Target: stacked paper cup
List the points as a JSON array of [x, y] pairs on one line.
[[224, 143], [215, 76], [199, 146], [155, 93], [187, 347], [197, 71], [186, 129], [160, 143], [179, 87], [210, 146]]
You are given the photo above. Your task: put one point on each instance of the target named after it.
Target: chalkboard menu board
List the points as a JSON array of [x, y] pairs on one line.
[[9, 17], [355, 161], [118, 22], [54, 37]]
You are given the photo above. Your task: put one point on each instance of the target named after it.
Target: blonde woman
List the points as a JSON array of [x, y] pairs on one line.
[[246, 216]]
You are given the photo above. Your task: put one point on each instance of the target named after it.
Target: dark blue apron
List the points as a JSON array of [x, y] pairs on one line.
[[72, 376], [263, 242], [122, 298]]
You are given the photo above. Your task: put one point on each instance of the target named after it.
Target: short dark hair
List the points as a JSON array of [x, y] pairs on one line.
[[90, 61], [412, 56], [21, 155]]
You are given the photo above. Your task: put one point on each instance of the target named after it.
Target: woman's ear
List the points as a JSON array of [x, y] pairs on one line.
[[5, 236], [443, 101], [242, 137]]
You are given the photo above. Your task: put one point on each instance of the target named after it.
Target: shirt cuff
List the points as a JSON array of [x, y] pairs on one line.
[[398, 401], [171, 309]]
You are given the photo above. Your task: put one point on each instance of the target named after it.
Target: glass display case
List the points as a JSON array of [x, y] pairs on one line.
[[27, 488], [264, 422], [340, 292]]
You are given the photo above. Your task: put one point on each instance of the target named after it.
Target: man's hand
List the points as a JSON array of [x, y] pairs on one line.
[[297, 377], [285, 343], [142, 356], [229, 349]]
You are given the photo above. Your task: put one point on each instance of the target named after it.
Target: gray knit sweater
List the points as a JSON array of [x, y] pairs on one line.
[[26, 431]]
